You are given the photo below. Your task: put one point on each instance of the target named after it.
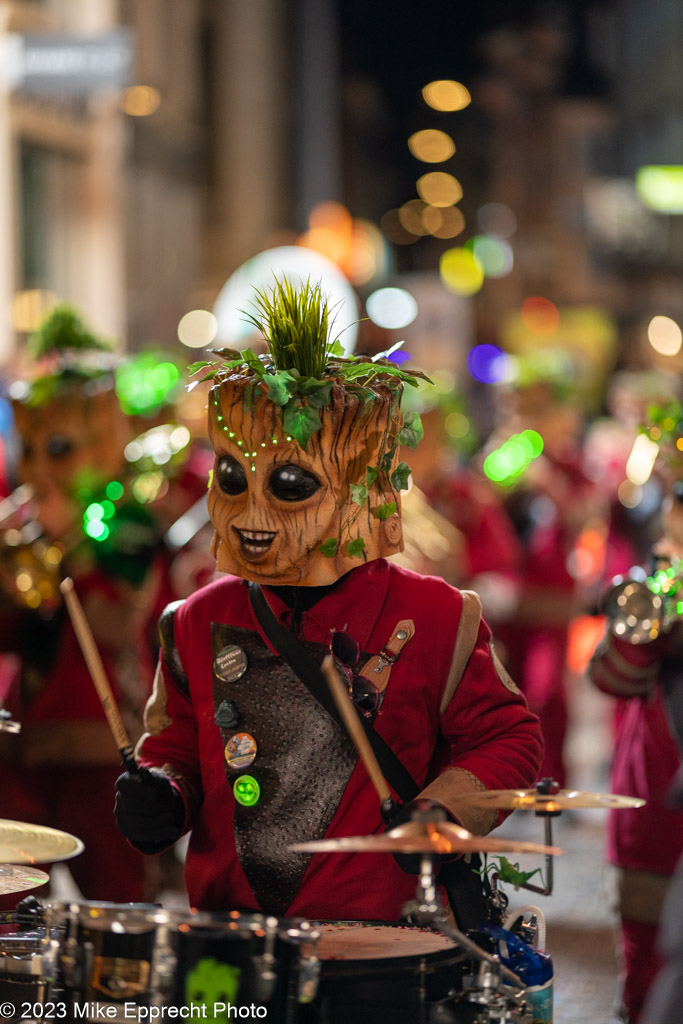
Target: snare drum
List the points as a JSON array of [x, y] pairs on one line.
[[389, 974], [222, 963], [107, 955]]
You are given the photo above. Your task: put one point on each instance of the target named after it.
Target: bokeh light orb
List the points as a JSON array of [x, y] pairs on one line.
[[540, 316], [391, 308], [447, 95], [487, 363], [494, 254], [198, 328], [439, 188], [299, 265], [460, 271], [497, 219], [665, 335], [431, 145]]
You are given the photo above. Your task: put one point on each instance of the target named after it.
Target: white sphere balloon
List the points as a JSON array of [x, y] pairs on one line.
[[298, 265]]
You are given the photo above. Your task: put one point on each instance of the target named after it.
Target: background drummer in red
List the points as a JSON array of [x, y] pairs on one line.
[[311, 516], [72, 431], [644, 844]]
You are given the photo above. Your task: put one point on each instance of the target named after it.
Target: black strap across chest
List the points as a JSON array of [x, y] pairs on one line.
[[309, 672]]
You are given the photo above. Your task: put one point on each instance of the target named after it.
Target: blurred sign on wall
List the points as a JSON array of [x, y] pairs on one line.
[[78, 64]]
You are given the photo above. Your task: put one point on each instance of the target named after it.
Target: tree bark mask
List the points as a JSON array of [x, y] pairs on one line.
[[274, 505]]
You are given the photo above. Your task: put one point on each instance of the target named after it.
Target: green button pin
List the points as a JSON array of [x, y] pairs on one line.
[[247, 790]]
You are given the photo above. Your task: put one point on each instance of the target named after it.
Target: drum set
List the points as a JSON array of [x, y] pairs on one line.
[[91, 961]]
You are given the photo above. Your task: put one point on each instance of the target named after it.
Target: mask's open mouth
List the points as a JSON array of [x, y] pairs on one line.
[[254, 544]]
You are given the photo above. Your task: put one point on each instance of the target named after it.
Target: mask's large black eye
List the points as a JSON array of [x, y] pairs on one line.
[[678, 491], [230, 475], [59, 447], [293, 483]]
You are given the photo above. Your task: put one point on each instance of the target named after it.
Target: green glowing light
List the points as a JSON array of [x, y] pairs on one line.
[[96, 529], [247, 790], [94, 511], [507, 463], [109, 508], [114, 490]]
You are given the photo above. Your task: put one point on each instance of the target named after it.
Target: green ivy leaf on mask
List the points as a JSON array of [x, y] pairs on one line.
[[281, 386], [399, 478], [199, 365], [355, 547], [412, 430], [384, 511], [371, 474], [250, 358], [316, 391], [389, 458], [301, 421], [359, 493], [328, 548]]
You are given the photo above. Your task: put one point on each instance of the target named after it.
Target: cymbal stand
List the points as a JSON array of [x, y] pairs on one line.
[[426, 912]]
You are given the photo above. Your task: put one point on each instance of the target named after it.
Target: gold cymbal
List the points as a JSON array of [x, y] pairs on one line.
[[21, 843], [532, 800], [18, 879], [416, 837]]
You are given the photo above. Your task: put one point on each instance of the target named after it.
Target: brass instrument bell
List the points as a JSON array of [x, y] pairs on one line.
[[640, 610]]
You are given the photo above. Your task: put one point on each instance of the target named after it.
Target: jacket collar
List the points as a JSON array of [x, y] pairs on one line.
[[353, 606]]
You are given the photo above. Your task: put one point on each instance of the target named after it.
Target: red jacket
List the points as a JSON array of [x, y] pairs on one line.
[[311, 783], [646, 757]]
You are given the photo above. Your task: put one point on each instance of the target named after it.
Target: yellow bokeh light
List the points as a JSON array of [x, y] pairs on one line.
[[431, 219], [445, 94], [367, 252], [439, 189], [431, 146], [461, 271], [198, 328], [410, 215], [394, 230], [452, 223], [665, 335], [30, 307], [140, 100]]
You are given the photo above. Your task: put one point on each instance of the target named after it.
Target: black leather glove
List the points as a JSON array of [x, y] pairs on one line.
[[420, 810], [149, 811]]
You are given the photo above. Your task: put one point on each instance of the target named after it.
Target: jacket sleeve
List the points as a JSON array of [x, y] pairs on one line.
[[626, 670], [493, 740], [169, 743]]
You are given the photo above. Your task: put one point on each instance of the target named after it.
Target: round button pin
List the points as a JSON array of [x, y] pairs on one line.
[[230, 663], [227, 715], [240, 750], [247, 790]]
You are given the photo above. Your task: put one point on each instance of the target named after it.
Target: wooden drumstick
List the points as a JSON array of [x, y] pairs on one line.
[[355, 730], [92, 659]]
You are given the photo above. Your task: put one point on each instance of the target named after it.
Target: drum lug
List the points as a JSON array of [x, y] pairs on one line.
[[265, 977], [69, 963], [164, 964], [50, 959], [264, 965], [309, 975]]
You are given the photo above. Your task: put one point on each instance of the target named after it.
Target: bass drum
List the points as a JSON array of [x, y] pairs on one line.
[[388, 974]]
